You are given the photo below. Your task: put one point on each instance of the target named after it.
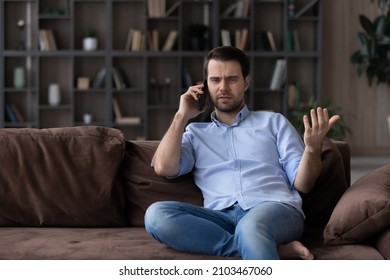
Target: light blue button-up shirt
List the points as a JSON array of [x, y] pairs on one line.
[[251, 161]]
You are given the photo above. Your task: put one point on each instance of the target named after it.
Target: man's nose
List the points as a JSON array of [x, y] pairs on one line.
[[223, 84]]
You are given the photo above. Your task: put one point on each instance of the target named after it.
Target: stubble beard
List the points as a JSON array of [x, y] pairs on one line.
[[235, 106]]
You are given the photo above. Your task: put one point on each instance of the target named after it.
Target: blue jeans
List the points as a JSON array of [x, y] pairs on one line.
[[249, 234]]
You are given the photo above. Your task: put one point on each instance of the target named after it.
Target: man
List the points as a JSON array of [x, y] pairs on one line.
[[250, 167]]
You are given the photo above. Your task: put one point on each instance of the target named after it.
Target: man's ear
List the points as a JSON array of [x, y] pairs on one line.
[[247, 82]]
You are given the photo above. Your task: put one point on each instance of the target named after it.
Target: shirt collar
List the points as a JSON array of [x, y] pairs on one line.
[[240, 117]]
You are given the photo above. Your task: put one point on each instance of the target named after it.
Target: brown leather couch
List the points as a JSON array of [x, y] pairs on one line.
[[81, 193]]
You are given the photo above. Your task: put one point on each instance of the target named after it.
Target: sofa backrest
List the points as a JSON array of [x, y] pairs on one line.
[[143, 186], [63, 177]]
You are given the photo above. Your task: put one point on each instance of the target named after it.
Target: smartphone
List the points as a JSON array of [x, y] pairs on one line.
[[203, 97]]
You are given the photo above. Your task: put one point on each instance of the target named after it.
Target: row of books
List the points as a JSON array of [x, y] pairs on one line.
[[120, 118], [119, 78], [13, 114], [264, 40], [240, 38], [135, 40], [239, 9], [158, 8]]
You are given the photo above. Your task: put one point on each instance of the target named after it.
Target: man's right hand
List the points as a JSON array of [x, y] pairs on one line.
[[188, 107]]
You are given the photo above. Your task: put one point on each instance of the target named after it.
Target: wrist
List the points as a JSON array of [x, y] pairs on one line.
[[313, 150], [180, 118]]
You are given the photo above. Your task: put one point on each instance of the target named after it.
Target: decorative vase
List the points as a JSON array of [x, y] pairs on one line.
[[87, 118], [19, 78], [90, 43], [54, 95]]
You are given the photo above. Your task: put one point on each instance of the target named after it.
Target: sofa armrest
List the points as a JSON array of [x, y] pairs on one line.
[[345, 152]]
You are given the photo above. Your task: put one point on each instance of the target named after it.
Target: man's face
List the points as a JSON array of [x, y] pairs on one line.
[[226, 85]]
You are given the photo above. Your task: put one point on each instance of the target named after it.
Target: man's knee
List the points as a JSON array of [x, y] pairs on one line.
[[156, 213]]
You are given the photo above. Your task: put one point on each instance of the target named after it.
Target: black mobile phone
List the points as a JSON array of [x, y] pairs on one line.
[[203, 97]]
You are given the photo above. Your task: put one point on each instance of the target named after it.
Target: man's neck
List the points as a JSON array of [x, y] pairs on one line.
[[227, 118]]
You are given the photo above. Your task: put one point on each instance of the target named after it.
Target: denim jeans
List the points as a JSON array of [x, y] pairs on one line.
[[249, 234]]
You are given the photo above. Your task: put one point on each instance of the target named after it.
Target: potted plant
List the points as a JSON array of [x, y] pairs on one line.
[[373, 56], [90, 42], [338, 131], [198, 36]]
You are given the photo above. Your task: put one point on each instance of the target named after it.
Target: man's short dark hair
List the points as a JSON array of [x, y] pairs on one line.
[[226, 53]]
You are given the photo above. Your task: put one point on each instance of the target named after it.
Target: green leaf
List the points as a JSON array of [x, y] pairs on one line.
[[385, 40], [367, 25], [356, 58], [380, 26], [363, 44]]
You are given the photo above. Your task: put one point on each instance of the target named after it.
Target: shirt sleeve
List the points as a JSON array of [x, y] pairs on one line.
[[290, 147], [187, 158]]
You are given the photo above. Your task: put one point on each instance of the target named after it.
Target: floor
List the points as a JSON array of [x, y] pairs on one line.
[[363, 165]]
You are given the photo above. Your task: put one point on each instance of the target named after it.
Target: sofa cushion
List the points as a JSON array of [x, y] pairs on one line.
[[363, 211], [61, 177], [329, 187], [143, 186], [383, 243]]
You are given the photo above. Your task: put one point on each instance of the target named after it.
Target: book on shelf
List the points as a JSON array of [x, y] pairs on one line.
[[271, 40], [47, 40], [135, 40], [12, 113], [279, 75], [18, 114], [138, 41], [225, 37], [172, 8], [117, 77], [128, 120], [129, 39], [297, 43], [238, 9], [9, 114], [264, 41], [99, 79], [241, 38], [293, 43], [170, 41], [153, 40], [124, 120], [305, 8], [294, 94], [242, 9], [158, 8]]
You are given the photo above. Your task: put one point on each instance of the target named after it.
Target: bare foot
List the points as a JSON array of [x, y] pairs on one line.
[[294, 250]]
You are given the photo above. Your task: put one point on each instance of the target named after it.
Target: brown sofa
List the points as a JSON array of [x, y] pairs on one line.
[[81, 193]]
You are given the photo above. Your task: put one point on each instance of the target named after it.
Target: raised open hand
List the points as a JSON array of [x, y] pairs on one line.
[[318, 128]]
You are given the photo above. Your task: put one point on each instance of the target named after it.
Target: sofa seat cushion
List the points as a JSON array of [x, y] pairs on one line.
[[61, 177], [363, 211], [383, 243], [85, 244], [313, 239], [143, 186]]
